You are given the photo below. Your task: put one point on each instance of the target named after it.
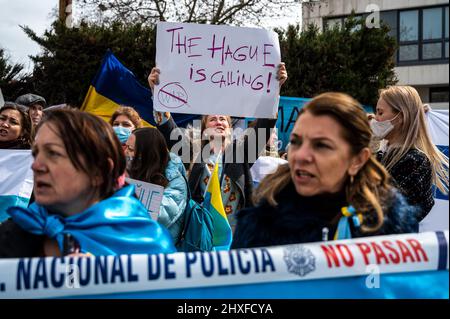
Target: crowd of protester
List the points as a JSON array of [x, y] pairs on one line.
[[332, 185]]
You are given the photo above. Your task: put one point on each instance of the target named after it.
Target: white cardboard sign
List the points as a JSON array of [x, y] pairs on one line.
[[211, 69], [149, 194]]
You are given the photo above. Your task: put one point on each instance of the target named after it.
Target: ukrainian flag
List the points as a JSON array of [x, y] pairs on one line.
[[213, 202], [115, 85]]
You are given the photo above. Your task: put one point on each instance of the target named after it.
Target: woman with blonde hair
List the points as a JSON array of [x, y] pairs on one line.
[[409, 155], [332, 184]]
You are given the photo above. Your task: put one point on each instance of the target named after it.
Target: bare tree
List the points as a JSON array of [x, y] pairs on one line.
[[233, 12]]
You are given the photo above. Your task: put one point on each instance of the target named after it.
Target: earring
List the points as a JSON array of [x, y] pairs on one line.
[[352, 179]]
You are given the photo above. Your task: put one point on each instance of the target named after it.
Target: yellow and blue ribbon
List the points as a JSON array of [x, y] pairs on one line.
[[343, 230]]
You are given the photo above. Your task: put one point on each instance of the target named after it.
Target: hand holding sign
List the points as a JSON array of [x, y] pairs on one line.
[[153, 78], [282, 73], [208, 69]]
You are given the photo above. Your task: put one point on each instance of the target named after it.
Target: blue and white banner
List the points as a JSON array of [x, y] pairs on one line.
[[438, 218], [288, 110], [16, 179], [400, 266]]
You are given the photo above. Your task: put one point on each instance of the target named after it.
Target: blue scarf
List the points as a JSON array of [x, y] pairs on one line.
[[117, 225]]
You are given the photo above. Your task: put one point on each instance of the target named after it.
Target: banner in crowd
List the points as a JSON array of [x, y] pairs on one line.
[[2, 100], [288, 111], [149, 194], [400, 266], [438, 218], [217, 69], [115, 85], [16, 179]]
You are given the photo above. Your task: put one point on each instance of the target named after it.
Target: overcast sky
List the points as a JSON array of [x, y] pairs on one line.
[[37, 14]]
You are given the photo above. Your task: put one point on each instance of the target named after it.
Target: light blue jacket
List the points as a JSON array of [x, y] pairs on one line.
[[174, 199]]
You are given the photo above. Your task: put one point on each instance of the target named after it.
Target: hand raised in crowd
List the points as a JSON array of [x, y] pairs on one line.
[[153, 78], [282, 73]]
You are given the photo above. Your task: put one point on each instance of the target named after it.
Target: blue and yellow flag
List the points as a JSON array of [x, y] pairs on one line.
[[115, 85], [213, 202]]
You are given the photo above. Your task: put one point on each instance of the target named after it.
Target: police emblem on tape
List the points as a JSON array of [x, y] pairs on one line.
[[299, 260]]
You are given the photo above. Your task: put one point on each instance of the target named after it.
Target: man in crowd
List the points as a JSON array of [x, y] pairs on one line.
[[36, 105]]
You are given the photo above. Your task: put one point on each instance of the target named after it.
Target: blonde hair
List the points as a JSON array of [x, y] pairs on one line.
[[370, 188], [414, 133]]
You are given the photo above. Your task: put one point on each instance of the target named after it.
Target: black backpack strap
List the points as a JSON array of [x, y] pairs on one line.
[[187, 213]]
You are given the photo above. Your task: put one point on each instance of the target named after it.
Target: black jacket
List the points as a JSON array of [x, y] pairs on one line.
[[237, 171], [299, 219], [412, 175], [18, 243]]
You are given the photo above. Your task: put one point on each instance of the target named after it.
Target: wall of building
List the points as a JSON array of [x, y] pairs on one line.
[[418, 75], [312, 12], [422, 77]]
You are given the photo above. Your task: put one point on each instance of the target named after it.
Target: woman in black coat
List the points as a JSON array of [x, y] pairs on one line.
[[332, 186], [410, 156]]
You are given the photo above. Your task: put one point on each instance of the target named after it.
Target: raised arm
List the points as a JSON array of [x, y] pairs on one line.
[[167, 126]]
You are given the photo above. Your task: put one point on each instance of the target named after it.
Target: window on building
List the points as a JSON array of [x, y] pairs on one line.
[[446, 31], [432, 34], [339, 22], [331, 23], [423, 34], [390, 19], [439, 95]]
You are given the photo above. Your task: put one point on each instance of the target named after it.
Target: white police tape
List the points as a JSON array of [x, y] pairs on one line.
[[65, 277]]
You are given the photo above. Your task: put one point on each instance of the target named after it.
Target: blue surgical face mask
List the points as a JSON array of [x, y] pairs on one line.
[[122, 133]]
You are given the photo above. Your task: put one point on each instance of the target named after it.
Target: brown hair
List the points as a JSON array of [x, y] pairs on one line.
[[370, 187], [90, 144], [150, 158], [26, 126], [128, 112]]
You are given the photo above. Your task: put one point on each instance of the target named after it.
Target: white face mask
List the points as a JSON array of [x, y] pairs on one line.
[[382, 129]]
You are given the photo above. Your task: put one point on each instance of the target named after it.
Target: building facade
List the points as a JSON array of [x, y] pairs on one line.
[[420, 28]]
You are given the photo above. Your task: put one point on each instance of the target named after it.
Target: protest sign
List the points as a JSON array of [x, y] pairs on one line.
[[208, 69], [149, 194]]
